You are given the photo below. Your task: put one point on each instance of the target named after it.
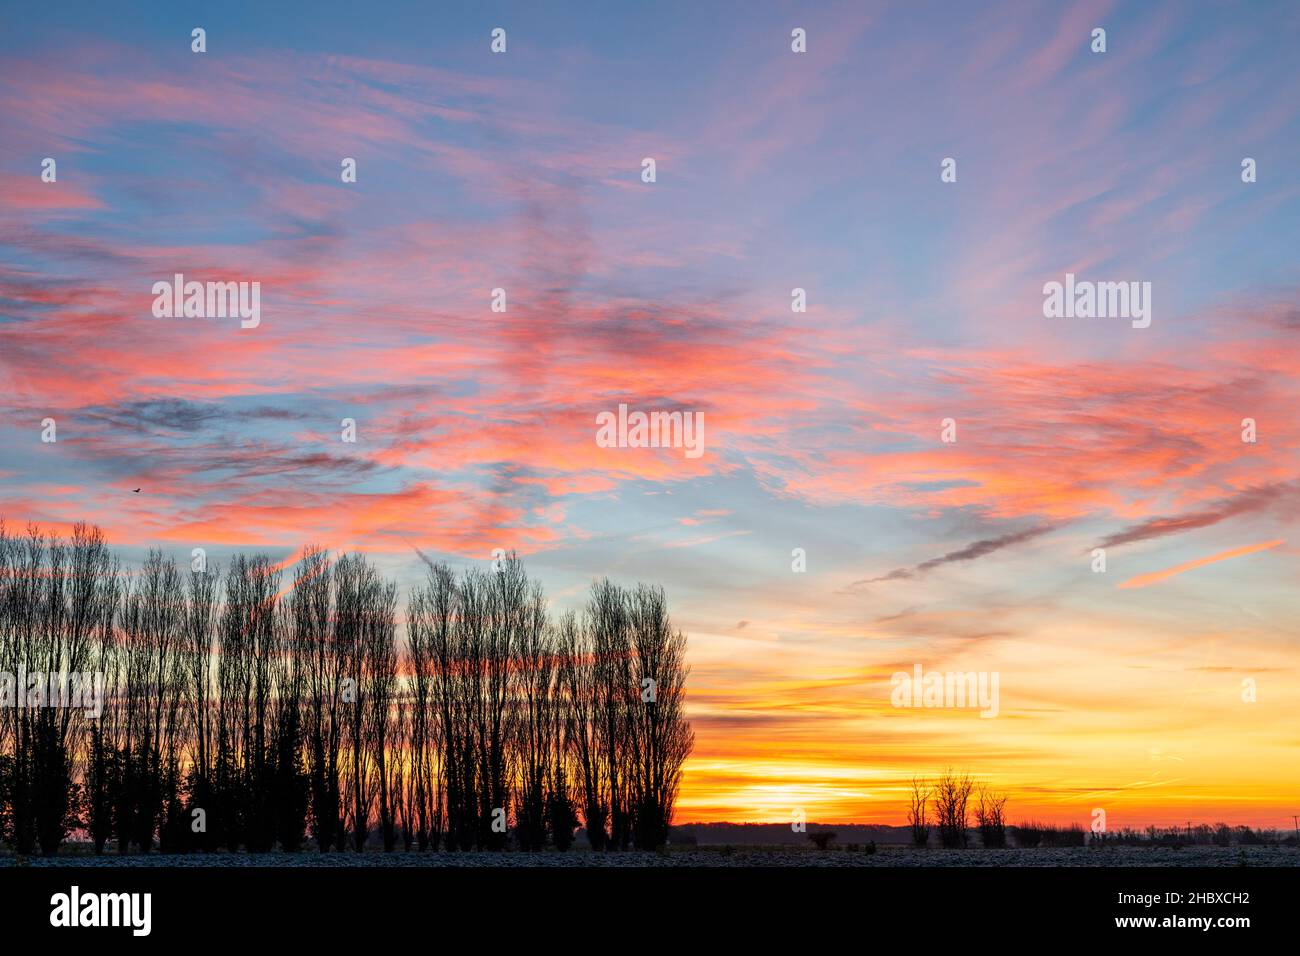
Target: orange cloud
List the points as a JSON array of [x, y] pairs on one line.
[[1143, 580]]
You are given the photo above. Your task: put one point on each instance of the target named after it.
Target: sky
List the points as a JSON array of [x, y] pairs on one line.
[[1160, 690]]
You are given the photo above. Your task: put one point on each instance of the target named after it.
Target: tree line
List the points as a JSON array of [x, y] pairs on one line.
[[253, 709]]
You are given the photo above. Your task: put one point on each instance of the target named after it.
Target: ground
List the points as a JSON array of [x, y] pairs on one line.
[[709, 856]]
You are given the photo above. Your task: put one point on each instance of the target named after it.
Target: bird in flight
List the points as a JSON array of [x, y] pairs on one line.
[[137, 491]]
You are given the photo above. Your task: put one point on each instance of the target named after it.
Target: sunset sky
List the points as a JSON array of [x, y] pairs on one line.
[[1120, 690]]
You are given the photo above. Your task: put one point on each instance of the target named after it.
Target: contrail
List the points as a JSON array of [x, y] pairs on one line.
[[1142, 580]]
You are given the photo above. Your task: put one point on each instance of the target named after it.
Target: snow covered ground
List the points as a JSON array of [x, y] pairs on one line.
[[710, 856]]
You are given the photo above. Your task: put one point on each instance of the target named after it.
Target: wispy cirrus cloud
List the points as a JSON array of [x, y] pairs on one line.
[[1155, 577], [1248, 501], [970, 552]]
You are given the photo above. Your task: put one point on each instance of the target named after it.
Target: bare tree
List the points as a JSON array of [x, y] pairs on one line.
[[614, 696], [451, 632], [583, 727], [251, 629], [76, 590], [561, 818], [659, 735], [990, 815], [291, 784], [153, 619], [22, 652], [536, 701], [381, 674], [918, 812], [408, 809], [356, 597], [197, 653], [9, 573], [506, 607], [229, 811], [951, 796], [311, 608], [262, 645], [103, 765], [424, 794]]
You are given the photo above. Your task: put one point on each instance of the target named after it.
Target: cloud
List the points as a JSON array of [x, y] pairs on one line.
[[1154, 577], [1251, 500], [977, 549]]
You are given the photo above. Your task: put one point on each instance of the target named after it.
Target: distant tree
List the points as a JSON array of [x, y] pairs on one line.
[[1028, 834], [822, 839], [918, 813], [990, 815], [951, 796], [1071, 836]]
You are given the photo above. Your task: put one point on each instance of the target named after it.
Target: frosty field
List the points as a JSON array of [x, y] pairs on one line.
[[885, 856]]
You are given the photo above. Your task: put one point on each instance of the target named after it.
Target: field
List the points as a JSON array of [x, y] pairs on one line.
[[720, 856]]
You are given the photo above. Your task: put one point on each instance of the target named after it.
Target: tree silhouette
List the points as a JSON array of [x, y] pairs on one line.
[[238, 713]]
